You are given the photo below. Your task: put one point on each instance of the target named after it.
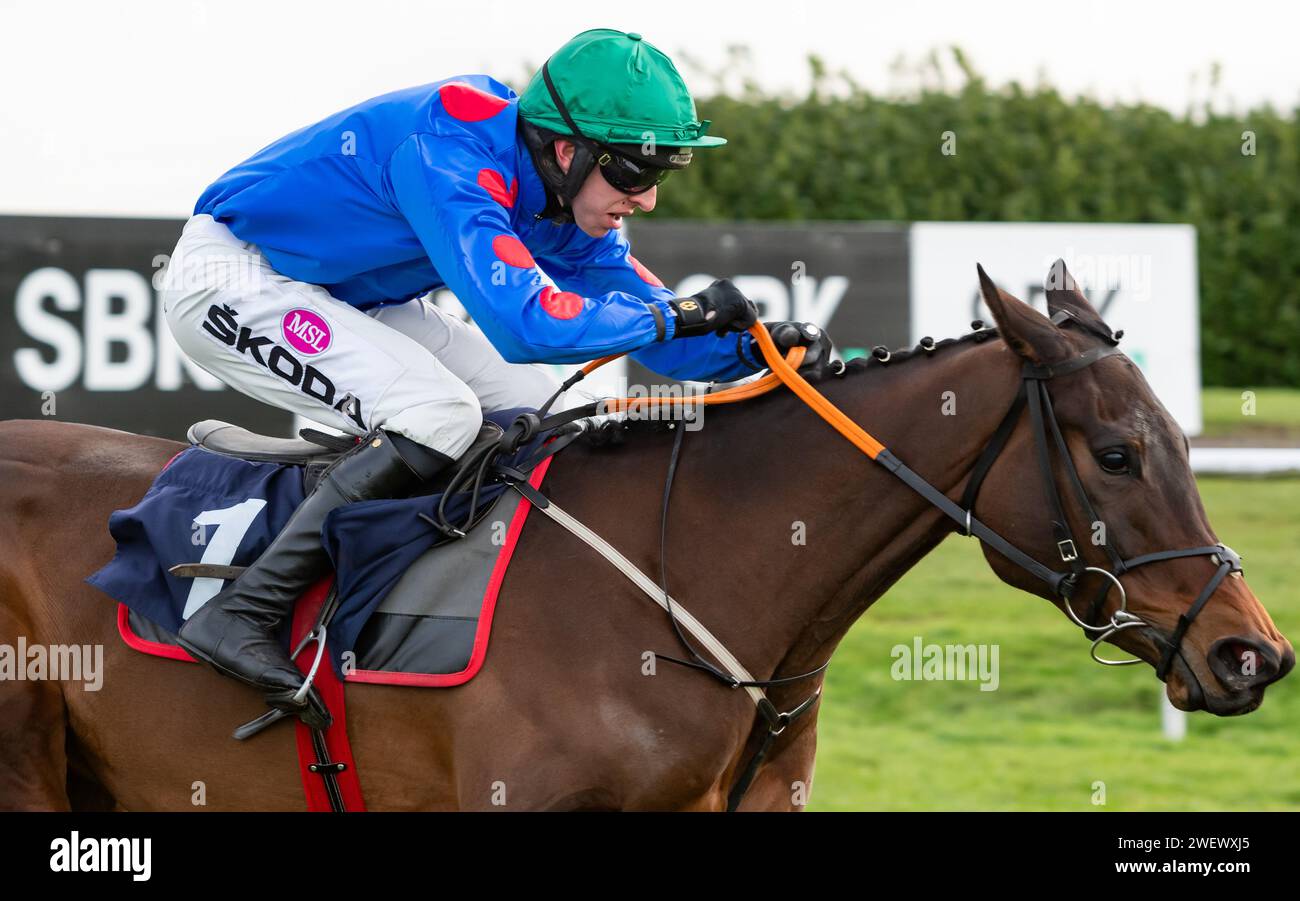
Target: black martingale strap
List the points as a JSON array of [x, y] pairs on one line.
[[776, 723], [699, 662]]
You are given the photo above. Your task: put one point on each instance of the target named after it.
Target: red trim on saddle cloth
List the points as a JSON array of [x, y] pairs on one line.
[[143, 645], [156, 648], [484, 630]]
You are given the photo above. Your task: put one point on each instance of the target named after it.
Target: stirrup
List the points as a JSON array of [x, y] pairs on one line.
[[301, 702]]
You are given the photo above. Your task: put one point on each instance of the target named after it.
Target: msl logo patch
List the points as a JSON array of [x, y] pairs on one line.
[[310, 332], [306, 332]]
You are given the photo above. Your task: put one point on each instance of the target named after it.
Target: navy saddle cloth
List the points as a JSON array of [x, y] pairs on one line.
[[212, 508]]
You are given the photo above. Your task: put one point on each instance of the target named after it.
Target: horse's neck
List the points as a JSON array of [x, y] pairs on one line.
[[829, 530]]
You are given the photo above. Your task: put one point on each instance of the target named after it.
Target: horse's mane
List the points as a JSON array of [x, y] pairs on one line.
[[882, 356], [615, 431]]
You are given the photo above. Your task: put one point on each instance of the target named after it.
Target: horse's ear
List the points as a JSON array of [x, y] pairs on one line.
[[1063, 294], [1028, 332]]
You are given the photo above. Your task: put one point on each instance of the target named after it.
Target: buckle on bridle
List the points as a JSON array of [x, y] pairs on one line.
[[1067, 550], [1228, 556]]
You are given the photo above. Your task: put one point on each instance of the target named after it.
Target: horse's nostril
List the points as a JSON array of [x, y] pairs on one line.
[[1239, 652], [1240, 663]]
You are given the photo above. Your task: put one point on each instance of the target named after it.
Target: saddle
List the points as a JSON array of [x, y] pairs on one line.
[[236, 441], [316, 450]]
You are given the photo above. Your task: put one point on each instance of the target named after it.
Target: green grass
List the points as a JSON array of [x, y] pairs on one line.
[[1057, 722], [1226, 411]]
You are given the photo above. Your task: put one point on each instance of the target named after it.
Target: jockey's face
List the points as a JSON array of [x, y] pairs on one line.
[[599, 206]]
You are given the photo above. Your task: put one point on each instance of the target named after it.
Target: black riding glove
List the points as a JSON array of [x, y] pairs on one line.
[[719, 308], [817, 359]]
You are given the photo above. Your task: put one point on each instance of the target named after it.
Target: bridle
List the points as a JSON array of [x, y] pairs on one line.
[[1035, 395]]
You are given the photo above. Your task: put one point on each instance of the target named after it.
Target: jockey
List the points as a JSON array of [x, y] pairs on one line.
[[300, 280]]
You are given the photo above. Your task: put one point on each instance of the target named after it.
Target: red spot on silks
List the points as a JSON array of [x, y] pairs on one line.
[[511, 250], [495, 184], [561, 304], [646, 275], [469, 104]]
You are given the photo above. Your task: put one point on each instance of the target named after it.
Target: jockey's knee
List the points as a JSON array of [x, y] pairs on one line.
[[534, 387], [448, 424]]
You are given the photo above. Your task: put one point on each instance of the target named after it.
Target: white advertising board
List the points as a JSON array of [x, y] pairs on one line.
[[1142, 278]]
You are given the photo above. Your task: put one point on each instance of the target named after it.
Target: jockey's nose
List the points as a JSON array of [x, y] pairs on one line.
[[645, 201]]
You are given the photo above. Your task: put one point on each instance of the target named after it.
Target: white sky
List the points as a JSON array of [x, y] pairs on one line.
[[132, 108]]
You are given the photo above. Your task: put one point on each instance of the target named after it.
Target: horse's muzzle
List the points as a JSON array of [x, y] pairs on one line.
[[1242, 669], [1241, 664]]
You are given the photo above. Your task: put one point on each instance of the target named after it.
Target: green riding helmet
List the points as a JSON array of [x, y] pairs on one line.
[[625, 106]]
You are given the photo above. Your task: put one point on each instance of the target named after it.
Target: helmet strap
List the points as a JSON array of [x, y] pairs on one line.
[[559, 104], [584, 157], [561, 187]]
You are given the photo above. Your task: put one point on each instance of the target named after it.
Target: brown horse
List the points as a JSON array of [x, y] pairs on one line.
[[563, 715]]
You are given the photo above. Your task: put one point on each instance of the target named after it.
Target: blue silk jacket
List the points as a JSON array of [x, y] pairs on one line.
[[433, 187]]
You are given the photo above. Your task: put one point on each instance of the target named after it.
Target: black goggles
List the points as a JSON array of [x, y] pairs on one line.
[[631, 176]]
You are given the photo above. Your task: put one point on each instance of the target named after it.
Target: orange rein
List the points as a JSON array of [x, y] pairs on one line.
[[784, 371]]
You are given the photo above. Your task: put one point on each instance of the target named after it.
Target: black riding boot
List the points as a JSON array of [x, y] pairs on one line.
[[235, 631]]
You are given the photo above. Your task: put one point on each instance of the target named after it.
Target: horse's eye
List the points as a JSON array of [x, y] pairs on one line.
[[1114, 461]]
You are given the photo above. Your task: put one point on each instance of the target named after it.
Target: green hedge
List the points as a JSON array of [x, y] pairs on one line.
[[1031, 154]]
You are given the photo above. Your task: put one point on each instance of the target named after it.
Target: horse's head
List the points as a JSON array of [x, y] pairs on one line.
[[1132, 463]]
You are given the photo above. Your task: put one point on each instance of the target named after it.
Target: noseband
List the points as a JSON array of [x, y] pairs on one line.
[[1047, 434]]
